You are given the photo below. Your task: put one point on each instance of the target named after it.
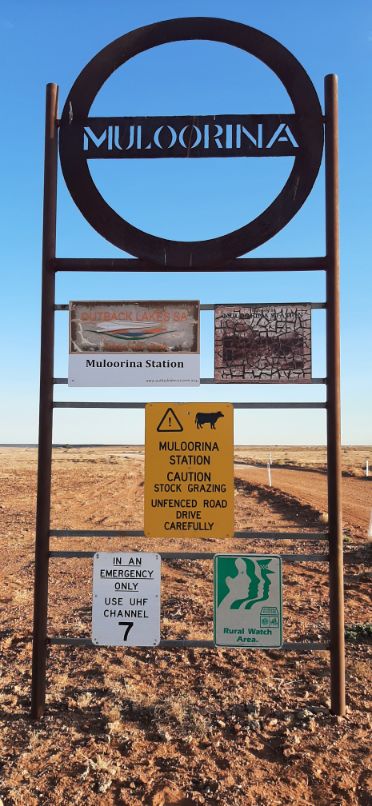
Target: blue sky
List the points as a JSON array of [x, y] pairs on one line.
[[52, 41]]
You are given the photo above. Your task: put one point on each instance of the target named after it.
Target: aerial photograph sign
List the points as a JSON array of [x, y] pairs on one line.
[[189, 479], [126, 599], [247, 600], [134, 344], [262, 343]]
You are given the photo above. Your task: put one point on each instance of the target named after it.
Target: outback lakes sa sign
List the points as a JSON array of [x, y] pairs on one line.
[[134, 343], [189, 475], [297, 134]]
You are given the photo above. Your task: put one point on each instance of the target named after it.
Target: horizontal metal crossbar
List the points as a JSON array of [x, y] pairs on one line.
[[237, 264], [185, 643], [83, 404], [140, 533], [211, 381], [213, 305], [352, 558], [191, 555]]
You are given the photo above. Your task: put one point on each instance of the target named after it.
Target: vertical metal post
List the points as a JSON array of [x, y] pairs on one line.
[[333, 400], [45, 407]]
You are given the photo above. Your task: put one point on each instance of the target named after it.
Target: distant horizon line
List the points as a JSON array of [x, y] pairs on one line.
[[142, 445]]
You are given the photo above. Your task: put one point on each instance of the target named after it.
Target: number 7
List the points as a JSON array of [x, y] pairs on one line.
[[128, 625]]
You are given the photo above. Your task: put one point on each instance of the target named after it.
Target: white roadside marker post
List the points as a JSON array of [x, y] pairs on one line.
[[269, 473]]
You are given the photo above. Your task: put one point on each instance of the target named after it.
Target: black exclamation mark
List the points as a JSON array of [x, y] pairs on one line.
[[169, 422]]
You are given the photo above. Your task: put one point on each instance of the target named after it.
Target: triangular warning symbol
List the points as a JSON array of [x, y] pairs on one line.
[[169, 422]]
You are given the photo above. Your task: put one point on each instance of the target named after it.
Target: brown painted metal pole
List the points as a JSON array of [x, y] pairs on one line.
[[333, 399], [45, 407]]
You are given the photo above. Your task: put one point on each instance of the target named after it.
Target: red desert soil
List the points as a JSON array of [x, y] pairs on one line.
[[311, 488], [188, 726]]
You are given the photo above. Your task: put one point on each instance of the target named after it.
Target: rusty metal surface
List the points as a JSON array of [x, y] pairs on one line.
[[192, 555], [251, 264], [83, 404], [185, 643], [140, 533], [192, 254], [219, 254], [262, 343], [210, 381], [336, 587], [45, 408], [211, 306]]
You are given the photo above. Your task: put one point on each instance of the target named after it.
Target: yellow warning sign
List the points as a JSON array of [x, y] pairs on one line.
[[189, 470]]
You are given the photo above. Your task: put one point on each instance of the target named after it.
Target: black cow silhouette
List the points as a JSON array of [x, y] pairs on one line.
[[210, 417]]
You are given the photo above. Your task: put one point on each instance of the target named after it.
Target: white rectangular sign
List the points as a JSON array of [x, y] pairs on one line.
[[247, 600], [126, 599], [112, 369]]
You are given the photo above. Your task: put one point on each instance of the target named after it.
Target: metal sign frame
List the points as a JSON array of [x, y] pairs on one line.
[[329, 263], [75, 115]]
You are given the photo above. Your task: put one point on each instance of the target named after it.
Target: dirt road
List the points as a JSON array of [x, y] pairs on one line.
[[311, 488]]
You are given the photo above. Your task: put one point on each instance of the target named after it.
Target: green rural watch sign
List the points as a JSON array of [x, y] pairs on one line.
[[247, 600]]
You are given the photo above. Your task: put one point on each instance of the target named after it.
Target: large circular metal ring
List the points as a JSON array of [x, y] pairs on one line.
[[214, 251]]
